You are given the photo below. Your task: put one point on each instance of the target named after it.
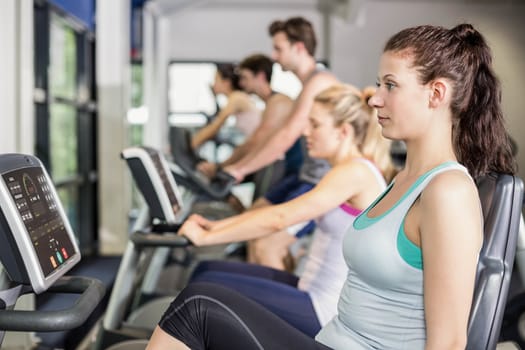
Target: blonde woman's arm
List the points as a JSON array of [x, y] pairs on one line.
[[340, 183]]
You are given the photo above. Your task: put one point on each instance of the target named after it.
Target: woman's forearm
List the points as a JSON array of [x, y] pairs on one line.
[[208, 132], [252, 224]]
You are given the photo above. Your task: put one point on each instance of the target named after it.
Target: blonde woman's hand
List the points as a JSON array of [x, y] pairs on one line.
[[202, 221], [194, 232]]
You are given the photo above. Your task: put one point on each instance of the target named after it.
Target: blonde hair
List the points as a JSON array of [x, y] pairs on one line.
[[348, 104]]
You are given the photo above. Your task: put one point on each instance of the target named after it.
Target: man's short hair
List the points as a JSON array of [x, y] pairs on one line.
[[296, 29], [258, 63]]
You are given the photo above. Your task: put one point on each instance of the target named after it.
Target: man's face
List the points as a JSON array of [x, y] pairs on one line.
[[248, 81], [283, 51]]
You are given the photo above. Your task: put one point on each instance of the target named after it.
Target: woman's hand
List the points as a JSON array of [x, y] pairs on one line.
[[202, 221], [194, 232]]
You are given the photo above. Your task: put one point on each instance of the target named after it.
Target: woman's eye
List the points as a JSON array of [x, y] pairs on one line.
[[388, 85]]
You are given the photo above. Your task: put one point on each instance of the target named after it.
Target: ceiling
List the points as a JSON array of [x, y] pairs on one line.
[[170, 6], [166, 6]]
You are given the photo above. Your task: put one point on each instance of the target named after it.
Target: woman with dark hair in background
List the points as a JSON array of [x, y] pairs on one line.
[[239, 104]]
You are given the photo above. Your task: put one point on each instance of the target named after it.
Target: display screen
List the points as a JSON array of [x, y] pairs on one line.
[[38, 209], [174, 203]]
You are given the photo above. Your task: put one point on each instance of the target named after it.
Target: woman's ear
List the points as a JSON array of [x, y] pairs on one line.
[[346, 129], [439, 90]]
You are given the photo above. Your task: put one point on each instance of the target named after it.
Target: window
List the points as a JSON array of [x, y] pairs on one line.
[[190, 99], [65, 111], [138, 114]]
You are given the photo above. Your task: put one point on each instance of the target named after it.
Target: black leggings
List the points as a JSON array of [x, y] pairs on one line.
[[209, 316]]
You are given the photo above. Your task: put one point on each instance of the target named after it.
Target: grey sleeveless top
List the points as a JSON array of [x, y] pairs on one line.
[[381, 304]]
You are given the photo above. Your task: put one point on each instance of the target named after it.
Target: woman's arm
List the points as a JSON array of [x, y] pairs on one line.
[[339, 184], [451, 237], [213, 224], [236, 103]]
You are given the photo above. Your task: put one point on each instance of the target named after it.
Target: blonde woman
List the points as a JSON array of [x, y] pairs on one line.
[[343, 130]]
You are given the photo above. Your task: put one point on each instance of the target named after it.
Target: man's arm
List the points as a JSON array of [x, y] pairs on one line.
[[288, 134], [274, 116]]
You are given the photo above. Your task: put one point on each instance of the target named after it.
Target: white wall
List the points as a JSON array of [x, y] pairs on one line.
[[8, 24], [229, 34], [113, 79], [16, 102], [16, 76]]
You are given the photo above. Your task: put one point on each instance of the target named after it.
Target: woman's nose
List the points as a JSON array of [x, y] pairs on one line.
[[375, 101]]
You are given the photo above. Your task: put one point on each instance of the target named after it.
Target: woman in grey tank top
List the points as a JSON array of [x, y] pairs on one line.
[[412, 255]]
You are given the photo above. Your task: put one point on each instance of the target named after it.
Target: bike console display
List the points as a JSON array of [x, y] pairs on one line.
[[154, 180], [38, 245]]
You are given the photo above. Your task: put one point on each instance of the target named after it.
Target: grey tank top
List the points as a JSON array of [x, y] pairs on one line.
[[381, 303], [325, 269], [312, 169]]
